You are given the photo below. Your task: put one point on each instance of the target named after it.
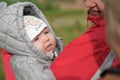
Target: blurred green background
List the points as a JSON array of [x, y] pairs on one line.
[[67, 18]]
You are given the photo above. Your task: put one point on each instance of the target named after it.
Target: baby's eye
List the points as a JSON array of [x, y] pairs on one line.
[[47, 32], [35, 39]]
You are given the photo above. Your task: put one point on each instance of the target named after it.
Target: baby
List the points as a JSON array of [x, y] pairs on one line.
[[28, 37], [40, 35]]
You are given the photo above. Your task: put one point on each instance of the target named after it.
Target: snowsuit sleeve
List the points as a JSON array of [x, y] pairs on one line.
[[28, 69]]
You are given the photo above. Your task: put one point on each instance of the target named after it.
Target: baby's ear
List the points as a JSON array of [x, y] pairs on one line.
[[3, 5]]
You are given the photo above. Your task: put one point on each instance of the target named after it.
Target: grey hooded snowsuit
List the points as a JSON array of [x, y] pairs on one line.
[[27, 62]]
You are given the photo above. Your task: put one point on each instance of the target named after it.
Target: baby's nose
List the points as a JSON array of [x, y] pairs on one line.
[[45, 39]]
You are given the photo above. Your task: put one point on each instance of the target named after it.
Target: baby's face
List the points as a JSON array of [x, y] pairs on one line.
[[45, 41]]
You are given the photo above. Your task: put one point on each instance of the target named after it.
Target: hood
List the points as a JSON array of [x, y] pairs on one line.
[[13, 37]]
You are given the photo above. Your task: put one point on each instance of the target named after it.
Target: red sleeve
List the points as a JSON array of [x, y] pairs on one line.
[[6, 65]]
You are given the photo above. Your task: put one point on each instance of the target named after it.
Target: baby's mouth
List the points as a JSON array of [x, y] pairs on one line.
[[49, 47]]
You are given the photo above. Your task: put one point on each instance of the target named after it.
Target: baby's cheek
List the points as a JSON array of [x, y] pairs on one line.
[[38, 45]]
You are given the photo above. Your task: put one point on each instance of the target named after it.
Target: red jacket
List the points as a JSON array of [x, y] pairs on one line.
[[9, 75], [80, 59], [85, 57]]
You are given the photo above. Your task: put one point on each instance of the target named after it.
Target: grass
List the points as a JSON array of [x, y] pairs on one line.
[[64, 1], [67, 24], [67, 33]]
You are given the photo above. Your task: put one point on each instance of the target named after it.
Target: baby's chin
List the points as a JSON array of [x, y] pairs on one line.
[[48, 52]]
